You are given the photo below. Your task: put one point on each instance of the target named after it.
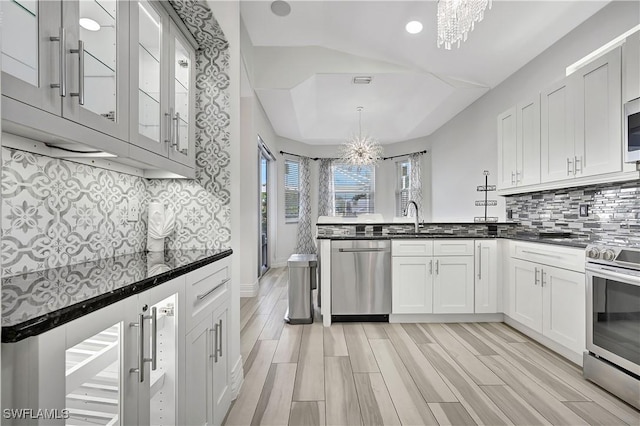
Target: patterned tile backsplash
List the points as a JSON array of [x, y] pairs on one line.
[[57, 212], [614, 211]]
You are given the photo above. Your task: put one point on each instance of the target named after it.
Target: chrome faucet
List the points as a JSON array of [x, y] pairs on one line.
[[406, 212]]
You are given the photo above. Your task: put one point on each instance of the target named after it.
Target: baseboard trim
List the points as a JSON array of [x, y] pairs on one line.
[[444, 318], [563, 351], [237, 378], [249, 290]]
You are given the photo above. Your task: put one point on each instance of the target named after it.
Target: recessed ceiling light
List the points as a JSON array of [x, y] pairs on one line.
[[413, 27], [280, 8], [89, 24]]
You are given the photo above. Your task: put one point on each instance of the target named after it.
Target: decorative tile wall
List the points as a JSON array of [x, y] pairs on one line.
[[614, 211], [203, 206], [56, 212]]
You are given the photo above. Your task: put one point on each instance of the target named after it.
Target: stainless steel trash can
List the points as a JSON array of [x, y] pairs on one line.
[[302, 278]]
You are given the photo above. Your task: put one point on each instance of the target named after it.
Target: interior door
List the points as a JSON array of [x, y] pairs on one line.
[[264, 166]]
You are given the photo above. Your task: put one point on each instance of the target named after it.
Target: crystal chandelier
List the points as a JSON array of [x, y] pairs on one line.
[[456, 18], [361, 150]]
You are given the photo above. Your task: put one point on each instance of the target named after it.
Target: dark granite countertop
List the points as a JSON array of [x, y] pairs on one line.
[[39, 301], [561, 241], [410, 222]]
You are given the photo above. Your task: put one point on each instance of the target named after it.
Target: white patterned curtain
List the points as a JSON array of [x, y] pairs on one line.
[[415, 181], [305, 244], [326, 202]]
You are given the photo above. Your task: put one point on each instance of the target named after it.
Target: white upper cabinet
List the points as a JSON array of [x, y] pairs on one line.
[[519, 145], [182, 99], [528, 142], [598, 112], [631, 68], [164, 75], [31, 52], [507, 150], [149, 75], [97, 61], [556, 135], [101, 76]]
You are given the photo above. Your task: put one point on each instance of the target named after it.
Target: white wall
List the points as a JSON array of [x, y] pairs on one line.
[[467, 144]]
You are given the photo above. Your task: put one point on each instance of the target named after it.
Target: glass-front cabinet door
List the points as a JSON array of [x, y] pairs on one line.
[[97, 60], [150, 76], [31, 52], [182, 99]]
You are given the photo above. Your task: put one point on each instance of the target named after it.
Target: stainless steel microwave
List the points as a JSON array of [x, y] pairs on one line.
[[632, 131]]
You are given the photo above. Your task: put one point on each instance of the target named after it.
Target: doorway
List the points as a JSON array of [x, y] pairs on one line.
[[264, 167]]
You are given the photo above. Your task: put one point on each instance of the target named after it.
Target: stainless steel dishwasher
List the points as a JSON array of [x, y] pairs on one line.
[[360, 280]]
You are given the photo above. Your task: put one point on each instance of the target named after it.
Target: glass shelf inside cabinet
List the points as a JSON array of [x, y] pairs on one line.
[[149, 57], [100, 57], [20, 40], [93, 378]]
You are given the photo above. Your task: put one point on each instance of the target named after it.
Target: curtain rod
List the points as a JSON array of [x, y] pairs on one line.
[[333, 158]]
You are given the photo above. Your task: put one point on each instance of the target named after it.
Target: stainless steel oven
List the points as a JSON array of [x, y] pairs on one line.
[[613, 320]]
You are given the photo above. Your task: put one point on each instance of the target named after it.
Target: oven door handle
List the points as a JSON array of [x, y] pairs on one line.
[[614, 275]]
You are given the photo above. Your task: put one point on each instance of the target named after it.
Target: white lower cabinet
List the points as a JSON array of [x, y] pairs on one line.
[[412, 278], [549, 300], [424, 284], [487, 279], [132, 362], [453, 285], [526, 294], [208, 394]]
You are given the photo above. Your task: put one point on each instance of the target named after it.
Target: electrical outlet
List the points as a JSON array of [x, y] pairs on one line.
[[133, 211], [584, 210]]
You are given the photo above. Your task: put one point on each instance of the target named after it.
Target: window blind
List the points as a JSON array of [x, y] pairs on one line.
[[403, 185], [291, 189], [353, 189]]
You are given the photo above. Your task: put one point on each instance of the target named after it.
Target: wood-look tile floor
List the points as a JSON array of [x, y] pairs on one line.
[[410, 374]]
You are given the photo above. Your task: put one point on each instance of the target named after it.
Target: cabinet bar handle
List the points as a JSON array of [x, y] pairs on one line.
[[140, 369], [80, 52], [437, 267], [431, 267], [544, 274], [214, 354], [203, 295], [62, 66], [176, 141], [169, 127], [569, 162], [360, 250], [479, 261], [220, 335], [518, 180], [513, 178], [575, 165], [535, 280], [542, 254], [154, 336]]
